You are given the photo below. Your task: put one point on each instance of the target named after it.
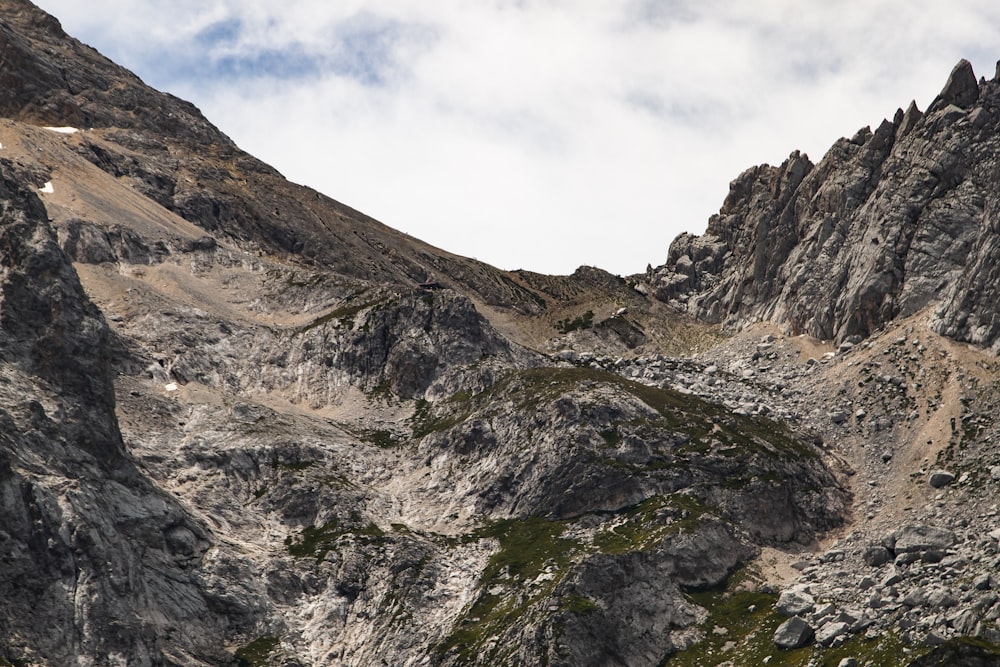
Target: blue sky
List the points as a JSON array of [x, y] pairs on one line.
[[539, 134]]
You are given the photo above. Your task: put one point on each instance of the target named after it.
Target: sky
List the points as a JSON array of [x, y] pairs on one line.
[[539, 134]]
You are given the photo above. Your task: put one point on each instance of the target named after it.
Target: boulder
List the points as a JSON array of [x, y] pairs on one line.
[[794, 602], [876, 556], [920, 537], [793, 633], [940, 478], [831, 633]]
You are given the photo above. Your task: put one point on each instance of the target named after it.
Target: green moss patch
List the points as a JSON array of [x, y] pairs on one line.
[[740, 630], [585, 321], [511, 584], [649, 522], [317, 541], [257, 653]]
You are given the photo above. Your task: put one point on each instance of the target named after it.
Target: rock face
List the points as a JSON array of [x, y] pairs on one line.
[[87, 542], [887, 223]]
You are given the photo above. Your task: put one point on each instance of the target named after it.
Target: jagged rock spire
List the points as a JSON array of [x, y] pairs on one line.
[[961, 89]]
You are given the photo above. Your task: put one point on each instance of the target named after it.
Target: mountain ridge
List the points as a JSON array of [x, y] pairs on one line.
[[881, 226]]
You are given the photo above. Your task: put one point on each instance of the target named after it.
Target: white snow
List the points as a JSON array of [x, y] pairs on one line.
[[171, 387], [63, 130], [47, 188]]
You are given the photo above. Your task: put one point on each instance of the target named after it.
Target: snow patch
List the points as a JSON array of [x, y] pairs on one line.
[[47, 188], [171, 387], [63, 130]]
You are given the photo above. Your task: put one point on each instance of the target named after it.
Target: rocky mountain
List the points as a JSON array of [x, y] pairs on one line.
[[244, 424], [886, 224]]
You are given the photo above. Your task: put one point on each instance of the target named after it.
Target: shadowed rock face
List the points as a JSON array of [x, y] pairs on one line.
[[887, 223], [95, 560], [48, 328]]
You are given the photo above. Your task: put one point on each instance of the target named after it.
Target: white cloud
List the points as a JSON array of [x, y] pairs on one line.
[[541, 134]]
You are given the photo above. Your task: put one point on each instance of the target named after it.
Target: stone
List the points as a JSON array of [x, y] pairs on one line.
[[941, 599], [793, 633], [794, 602], [823, 612], [876, 556], [848, 662], [828, 634], [940, 478], [961, 89], [832, 556], [892, 578], [920, 537], [915, 598]]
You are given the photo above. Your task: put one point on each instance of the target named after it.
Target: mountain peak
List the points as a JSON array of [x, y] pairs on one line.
[[961, 88], [50, 78]]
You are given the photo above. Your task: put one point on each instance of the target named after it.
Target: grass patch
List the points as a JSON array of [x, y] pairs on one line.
[[294, 466], [579, 605], [383, 439], [317, 541], [257, 653], [428, 419], [509, 586], [740, 630], [702, 421], [585, 321], [343, 315], [649, 522]]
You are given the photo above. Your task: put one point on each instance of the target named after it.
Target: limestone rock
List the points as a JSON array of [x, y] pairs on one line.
[[793, 633], [919, 537], [830, 634], [794, 603], [840, 248]]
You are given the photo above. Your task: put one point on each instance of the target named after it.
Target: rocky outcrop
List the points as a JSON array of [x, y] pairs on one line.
[[87, 543], [887, 223]]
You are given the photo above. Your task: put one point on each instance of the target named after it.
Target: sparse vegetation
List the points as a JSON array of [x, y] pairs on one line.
[[511, 583], [427, 418], [257, 653], [317, 541], [649, 522], [585, 321]]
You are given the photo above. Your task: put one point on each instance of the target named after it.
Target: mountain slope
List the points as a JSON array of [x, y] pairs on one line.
[[265, 443], [236, 430]]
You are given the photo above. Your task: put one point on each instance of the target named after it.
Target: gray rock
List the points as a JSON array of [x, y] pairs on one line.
[[829, 633], [837, 416], [940, 599], [915, 598], [794, 602], [793, 633], [876, 556], [815, 240], [920, 537], [940, 478]]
